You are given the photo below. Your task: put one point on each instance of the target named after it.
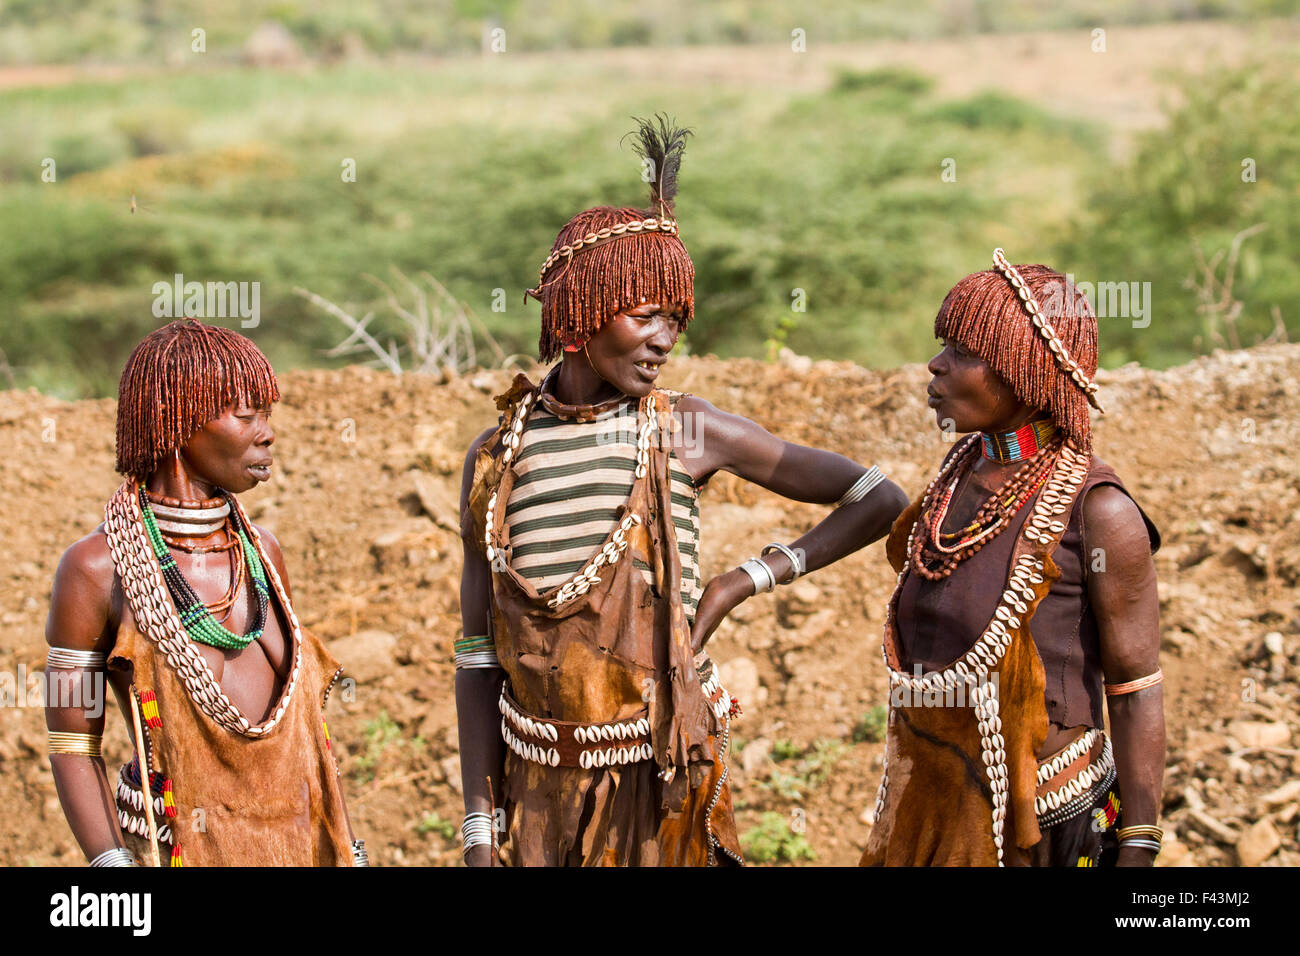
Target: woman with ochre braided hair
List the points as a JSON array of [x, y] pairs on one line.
[[182, 606], [1026, 596], [593, 729]]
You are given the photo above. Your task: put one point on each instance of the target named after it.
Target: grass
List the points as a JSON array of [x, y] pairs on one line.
[[143, 30], [871, 728], [807, 767], [433, 823], [380, 734], [774, 840]]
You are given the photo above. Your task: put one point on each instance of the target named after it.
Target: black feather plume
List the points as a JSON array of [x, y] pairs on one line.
[[663, 146]]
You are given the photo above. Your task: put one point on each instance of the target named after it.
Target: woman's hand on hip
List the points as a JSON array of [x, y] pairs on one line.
[[722, 595]]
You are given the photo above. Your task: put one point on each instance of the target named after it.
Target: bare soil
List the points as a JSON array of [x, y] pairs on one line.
[[364, 503]]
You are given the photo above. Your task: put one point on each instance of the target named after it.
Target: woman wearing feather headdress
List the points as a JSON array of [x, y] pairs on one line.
[[593, 728]]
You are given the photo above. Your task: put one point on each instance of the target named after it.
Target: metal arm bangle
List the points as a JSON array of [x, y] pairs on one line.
[[359, 855], [69, 657], [860, 488], [475, 652], [760, 574], [1131, 687], [1147, 830], [1141, 843], [790, 553], [66, 742], [117, 856], [477, 830]]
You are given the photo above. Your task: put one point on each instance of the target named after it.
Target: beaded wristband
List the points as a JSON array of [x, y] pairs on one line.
[[790, 553], [117, 856]]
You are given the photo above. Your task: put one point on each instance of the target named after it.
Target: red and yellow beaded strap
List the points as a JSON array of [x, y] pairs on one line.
[[149, 709]]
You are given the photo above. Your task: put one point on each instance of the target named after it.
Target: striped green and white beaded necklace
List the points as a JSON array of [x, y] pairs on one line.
[[198, 621]]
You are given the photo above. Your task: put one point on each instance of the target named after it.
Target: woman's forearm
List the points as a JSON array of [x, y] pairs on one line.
[[844, 530], [482, 752], [1137, 724], [88, 802]]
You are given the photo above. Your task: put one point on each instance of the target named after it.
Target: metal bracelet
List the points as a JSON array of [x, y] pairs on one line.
[[760, 574], [117, 856], [1148, 830], [359, 855], [859, 489], [1141, 843], [790, 553], [475, 660], [70, 657], [68, 742], [477, 830]]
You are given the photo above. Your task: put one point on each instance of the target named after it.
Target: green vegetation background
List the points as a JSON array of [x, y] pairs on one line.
[[468, 166]]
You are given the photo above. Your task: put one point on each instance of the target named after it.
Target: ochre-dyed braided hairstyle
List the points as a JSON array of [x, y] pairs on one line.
[[984, 313], [579, 293], [180, 377]]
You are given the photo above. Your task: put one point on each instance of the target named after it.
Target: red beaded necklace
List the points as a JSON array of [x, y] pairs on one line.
[[936, 553]]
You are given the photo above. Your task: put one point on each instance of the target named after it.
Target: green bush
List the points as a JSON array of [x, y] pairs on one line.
[[836, 192], [888, 79]]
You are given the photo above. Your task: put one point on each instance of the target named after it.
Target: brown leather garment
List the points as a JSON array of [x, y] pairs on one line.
[[271, 801], [605, 655], [938, 807], [939, 620]]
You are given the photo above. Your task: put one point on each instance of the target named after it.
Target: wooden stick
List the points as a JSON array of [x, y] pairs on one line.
[[145, 788]]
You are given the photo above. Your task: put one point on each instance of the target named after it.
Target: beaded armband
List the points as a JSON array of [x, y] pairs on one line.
[[475, 652]]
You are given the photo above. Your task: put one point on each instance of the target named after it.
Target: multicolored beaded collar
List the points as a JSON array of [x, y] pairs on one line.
[[1024, 442]]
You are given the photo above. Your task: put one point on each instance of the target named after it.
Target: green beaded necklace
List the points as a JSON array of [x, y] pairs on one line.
[[197, 619]]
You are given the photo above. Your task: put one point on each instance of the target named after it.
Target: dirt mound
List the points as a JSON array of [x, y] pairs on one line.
[[365, 506]]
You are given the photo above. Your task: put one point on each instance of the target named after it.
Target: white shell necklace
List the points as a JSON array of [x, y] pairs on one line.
[[617, 542]]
